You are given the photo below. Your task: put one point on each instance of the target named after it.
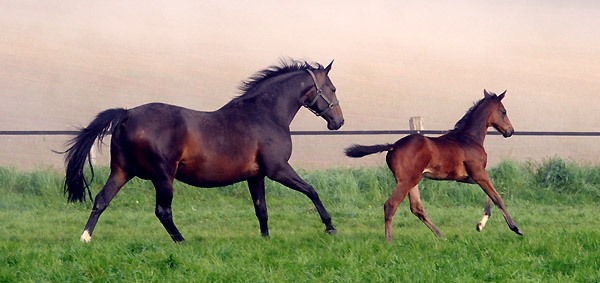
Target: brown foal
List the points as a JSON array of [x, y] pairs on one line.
[[458, 155]]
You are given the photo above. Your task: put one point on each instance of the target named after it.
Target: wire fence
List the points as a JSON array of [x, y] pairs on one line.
[[340, 133]]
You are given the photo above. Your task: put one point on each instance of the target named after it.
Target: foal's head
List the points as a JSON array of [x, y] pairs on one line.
[[321, 98], [497, 117]]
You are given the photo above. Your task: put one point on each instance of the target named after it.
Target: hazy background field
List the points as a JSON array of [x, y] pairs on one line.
[[62, 62]]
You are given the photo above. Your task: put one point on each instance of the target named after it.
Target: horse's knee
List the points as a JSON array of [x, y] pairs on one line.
[[163, 213], [100, 204]]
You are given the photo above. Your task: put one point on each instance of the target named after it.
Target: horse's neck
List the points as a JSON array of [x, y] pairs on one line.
[[278, 105]]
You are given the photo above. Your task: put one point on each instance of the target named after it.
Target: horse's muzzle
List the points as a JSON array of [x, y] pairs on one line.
[[335, 125]]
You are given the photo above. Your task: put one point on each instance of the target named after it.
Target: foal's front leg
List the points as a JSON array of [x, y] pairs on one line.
[[481, 177]]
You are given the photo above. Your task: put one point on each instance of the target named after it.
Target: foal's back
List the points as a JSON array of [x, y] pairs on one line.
[[439, 158]]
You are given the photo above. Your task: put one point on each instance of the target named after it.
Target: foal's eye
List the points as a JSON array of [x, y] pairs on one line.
[[503, 112]]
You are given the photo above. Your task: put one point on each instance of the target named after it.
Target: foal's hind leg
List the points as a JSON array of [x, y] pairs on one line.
[[487, 212], [164, 197], [391, 205], [257, 190], [416, 207], [116, 180]]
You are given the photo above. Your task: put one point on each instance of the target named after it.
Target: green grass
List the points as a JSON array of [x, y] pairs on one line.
[[554, 202]]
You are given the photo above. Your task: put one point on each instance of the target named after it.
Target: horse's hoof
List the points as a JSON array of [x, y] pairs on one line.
[[177, 238], [85, 237], [266, 236], [330, 231], [518, 231], [479, 227]]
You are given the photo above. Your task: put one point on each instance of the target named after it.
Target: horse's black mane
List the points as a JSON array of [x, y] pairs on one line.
[[469, 115], [286, 66]]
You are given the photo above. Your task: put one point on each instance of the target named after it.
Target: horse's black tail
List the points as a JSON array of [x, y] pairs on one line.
[[358, 150], [79, 152]]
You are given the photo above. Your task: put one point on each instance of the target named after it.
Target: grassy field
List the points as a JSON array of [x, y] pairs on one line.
[[555, 203]]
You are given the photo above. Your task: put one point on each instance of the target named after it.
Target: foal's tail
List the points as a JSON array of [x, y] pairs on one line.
[[79, 152], [358, 150]]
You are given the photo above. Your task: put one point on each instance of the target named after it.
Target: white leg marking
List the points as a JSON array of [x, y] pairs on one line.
[[484, 220], [85, 237]]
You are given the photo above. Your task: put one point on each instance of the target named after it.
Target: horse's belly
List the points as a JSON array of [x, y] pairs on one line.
[[216, 175]]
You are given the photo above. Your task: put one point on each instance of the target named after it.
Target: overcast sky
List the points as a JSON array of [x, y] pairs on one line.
[[61, 62]]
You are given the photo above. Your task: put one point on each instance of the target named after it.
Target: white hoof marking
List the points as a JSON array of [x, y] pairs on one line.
[[484, 220], [85, 237]]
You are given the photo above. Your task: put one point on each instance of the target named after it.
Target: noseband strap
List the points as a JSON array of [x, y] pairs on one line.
[[318, 94]]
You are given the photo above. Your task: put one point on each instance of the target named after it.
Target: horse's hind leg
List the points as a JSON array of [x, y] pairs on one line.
[[164, 198], [487, 212], [115, 182], [289, 178], [257, 190], [416, 207]]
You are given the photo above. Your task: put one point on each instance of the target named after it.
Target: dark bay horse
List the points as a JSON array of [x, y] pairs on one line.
[[458, 155], [247, 139]]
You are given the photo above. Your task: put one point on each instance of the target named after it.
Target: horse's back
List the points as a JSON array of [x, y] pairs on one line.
[[199, 148]]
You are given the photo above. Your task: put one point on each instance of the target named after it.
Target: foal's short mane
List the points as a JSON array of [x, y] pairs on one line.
[[286, 66], [469, 115]]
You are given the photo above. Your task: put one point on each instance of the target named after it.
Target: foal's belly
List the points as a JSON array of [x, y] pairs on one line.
[[456, 172]]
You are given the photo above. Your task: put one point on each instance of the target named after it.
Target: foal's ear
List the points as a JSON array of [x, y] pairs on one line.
[[486, 94], [501, 96], [328, 68]]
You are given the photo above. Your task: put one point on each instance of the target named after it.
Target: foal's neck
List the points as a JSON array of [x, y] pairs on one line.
[[475, 129]]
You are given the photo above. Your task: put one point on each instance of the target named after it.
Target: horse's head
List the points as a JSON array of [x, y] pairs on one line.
[[497, 117], [321, 98]]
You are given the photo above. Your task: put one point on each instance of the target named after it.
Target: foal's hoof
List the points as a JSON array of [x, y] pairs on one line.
[[479, 227], [266, 236], [330, 231]]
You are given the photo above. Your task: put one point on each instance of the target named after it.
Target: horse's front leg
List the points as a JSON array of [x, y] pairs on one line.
[[257, 190], [286, 175]]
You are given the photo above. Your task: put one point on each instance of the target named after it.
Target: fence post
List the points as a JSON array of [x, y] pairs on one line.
[[416, 124]]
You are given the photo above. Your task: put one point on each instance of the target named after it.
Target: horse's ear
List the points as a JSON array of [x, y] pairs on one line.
[[328, 68], [501, 96], [486, 94]]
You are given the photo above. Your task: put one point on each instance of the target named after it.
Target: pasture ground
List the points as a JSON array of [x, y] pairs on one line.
[[555, 204]]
